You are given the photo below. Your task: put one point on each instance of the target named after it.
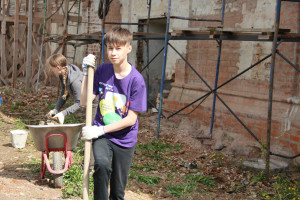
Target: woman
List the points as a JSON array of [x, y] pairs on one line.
[[70, 78]]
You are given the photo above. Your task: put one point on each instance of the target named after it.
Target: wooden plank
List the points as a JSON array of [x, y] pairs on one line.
[[3, 80], [29, 47], [16, 41], [39, 19], [250, 30], [3, 39], [65, 30], [48, 30]]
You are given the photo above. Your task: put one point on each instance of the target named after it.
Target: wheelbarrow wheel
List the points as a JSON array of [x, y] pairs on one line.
[[57, 165]]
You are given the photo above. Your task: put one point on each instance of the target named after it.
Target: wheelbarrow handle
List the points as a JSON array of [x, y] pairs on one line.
[[67, 164]]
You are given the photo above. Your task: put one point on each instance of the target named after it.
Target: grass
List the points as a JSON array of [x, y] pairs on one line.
[[73, 177], [285, 188], [149, 180], [156, 164], [158, 155], [189, 184]]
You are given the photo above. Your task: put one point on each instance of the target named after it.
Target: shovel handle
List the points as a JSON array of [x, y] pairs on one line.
[[87, 144]]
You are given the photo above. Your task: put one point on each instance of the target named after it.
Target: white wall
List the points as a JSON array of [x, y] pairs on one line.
[[134, 10]]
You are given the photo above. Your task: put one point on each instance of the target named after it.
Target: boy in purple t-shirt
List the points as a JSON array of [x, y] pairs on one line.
[[122, 94]]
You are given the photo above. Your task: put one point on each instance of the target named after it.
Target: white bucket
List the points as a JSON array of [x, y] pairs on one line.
[[19, 138]]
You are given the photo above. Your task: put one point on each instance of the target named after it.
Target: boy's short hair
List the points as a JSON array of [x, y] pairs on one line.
[[118, 35]]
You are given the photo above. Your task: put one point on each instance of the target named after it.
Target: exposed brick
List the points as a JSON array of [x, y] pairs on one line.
[[295, 138]]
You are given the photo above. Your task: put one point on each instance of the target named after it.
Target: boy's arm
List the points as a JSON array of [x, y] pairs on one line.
[[83, 92], [127, 121]]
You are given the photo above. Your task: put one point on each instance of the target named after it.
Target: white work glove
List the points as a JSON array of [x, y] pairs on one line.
[[89, 60], [92, 132], [51, 113], [60, 117]]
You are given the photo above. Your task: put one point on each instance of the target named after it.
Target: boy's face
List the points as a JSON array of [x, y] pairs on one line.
[[117, 53]]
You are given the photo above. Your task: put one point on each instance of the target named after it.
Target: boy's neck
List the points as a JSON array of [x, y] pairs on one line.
[[122, 70]]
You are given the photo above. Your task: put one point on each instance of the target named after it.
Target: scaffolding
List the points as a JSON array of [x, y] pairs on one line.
[[218, 34], [276, 35]]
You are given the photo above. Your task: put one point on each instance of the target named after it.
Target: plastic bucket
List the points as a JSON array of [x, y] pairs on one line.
[[19, 138]]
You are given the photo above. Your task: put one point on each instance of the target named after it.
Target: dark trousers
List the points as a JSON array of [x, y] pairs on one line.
[[112, 163]]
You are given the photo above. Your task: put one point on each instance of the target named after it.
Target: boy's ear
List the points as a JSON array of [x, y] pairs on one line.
[[129, 48]]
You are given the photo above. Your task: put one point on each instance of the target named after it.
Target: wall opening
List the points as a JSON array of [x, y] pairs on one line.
[[155, 68]]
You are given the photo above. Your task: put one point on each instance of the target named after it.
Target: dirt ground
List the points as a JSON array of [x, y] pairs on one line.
[[17, 178], [18, 181]]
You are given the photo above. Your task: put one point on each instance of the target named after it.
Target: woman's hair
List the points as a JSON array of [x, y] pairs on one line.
[[118, 35], [59, 60]]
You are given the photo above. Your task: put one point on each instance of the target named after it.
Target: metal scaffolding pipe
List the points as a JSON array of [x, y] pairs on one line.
[[147, 51], [270, 100], [152, 60], [216, 85], [164, 69], [244, 71], [288, 61], [220, 42]]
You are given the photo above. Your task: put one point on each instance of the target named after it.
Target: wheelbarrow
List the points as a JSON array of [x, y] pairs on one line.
[[55, 138]]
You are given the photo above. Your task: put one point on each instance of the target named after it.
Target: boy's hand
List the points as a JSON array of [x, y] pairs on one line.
[[92, 132], [89, 60]]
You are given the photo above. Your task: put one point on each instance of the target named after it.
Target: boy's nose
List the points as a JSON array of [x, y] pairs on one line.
[[113, 51]]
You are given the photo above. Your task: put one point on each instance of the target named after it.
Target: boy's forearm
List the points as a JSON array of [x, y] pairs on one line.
[[129, 120]]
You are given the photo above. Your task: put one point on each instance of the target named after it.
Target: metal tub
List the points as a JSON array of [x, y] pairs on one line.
[[40, 132]]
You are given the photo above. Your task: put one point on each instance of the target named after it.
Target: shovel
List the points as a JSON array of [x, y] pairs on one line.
[[87, 144]]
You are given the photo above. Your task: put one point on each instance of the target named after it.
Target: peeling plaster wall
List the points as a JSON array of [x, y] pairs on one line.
[[132, 11], [262, 16], [247, 95], [212, 7]]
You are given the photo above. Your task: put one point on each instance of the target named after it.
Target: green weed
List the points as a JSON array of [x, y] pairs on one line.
[[156, 148], [286, 189], [133, 174], [50, 105], [71, 119], [149, 180], [36, 165], [145, 167], [260, 177], [20, 124], [182, 189], [73, 177], [205, 180]]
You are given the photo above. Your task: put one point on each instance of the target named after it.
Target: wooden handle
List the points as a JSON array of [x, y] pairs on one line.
[[87, 144]]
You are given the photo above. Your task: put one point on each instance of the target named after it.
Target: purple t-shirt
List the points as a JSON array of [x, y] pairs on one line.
[[116, 97]]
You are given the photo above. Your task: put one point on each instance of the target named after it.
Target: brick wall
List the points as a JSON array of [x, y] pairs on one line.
[[92, 14], [247, 97]]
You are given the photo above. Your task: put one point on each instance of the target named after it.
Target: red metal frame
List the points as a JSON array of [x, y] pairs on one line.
[[45, 156]]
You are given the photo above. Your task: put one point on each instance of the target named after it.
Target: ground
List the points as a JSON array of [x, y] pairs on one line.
[[177, 166]]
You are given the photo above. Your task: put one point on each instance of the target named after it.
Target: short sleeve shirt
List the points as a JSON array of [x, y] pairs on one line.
[[116, 97]]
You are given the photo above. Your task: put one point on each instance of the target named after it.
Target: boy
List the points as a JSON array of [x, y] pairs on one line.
[[122, 94]]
